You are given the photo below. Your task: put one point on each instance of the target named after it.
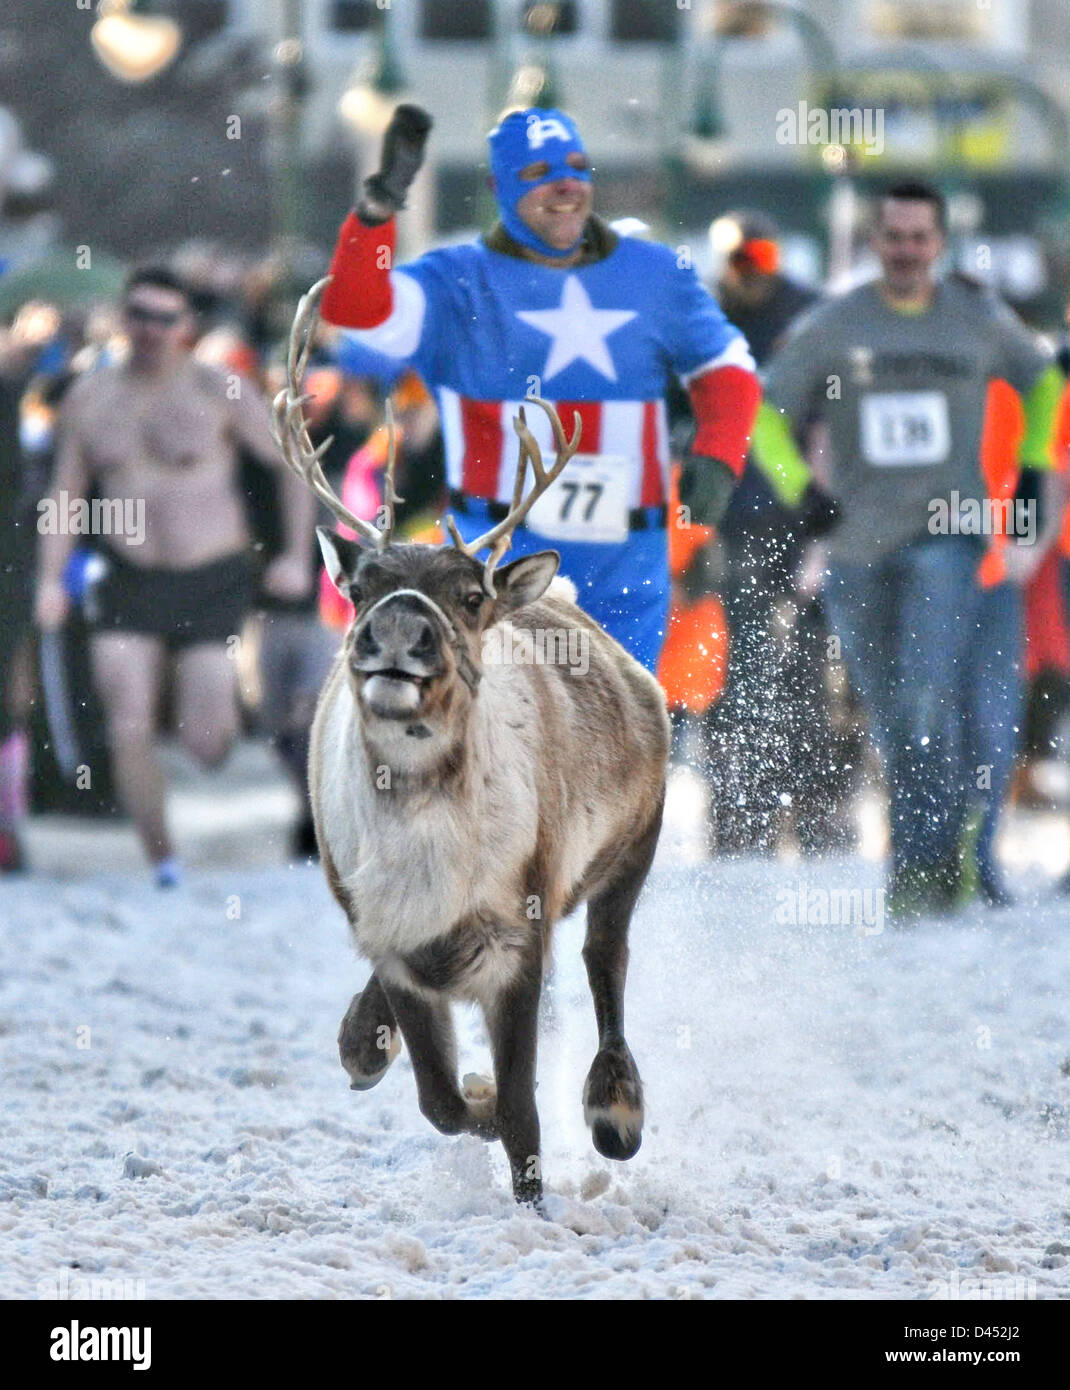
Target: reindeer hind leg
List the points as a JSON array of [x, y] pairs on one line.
[[613, 1091]]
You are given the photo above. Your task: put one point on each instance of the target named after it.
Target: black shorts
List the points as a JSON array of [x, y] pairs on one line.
[[183, 607]]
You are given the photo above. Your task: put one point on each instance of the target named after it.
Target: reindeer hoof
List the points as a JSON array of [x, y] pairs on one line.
[[366, 1051], [359, 1082], [619, 1134], [613, 1105], [528, 1193]]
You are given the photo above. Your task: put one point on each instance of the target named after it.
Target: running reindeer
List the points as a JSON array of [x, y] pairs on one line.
[[464, 805]]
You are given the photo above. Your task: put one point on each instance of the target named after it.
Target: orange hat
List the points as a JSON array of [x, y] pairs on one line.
[[759, 252]]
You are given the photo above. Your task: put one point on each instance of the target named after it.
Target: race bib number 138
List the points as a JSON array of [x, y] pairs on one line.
[[905, 428]]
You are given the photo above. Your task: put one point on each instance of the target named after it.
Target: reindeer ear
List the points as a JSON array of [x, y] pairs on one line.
[[525, 580], [341, 558]]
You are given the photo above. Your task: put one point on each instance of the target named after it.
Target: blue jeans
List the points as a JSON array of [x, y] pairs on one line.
[[936, 660], [993, 699], [623, 587]]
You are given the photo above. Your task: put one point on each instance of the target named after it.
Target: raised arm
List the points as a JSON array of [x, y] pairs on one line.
[[361, 294]]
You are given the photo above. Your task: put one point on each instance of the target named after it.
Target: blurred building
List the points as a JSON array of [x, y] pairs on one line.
[[683, 102], [632, 71], [687, 106]]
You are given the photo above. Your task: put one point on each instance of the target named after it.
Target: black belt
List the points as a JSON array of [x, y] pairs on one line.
[[639, 518]]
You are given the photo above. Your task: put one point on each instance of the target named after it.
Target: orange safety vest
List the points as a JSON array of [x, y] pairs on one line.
[[1047, 639], [1001, 437], [694, 657]]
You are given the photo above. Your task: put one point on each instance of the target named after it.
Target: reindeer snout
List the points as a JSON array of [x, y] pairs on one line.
[[397, 649], [399, 635]]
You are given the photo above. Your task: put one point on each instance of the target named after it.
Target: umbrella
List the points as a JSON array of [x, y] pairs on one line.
[[57, 279]]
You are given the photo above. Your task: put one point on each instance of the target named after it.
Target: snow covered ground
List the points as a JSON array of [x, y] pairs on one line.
[[833, 1111]]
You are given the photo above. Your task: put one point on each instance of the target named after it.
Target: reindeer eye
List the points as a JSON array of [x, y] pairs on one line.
[[474, 601]]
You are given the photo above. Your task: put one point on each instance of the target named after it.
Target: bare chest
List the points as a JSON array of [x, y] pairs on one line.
[[164, 431]]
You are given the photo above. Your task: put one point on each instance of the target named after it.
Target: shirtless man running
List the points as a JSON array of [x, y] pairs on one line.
[[162, 431]]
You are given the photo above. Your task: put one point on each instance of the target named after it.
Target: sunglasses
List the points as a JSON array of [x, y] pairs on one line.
[[166, 318]]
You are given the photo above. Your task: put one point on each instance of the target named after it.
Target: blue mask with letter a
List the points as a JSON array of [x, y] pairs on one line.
[[536, 136]]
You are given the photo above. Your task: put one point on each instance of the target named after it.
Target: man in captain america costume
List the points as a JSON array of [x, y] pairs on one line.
[[553, 303]]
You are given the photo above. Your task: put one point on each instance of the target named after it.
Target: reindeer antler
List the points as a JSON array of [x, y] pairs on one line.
[[290, 429], [500, 537]]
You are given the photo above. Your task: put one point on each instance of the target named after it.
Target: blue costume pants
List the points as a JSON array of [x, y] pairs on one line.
[[623, 587]]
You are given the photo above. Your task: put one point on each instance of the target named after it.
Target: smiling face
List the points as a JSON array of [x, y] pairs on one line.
[[909, 241], [556, 211], [413, 653]]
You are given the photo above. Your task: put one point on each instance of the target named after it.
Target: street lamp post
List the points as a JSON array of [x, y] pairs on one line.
[[366, 106], [377, 85], [500, 66], [707, 125], [820, 54], [291, 86], [535, 82]]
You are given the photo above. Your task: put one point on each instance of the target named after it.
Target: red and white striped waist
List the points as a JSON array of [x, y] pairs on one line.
[[481, 445]]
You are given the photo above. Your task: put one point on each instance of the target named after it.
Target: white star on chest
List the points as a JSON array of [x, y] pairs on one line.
[[579, 330]]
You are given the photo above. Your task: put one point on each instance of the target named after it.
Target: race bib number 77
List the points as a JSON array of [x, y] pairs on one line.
[[589, 502], [902, 429]]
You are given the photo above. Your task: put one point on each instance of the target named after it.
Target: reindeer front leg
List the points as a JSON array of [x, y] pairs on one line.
[[427, 1027], [512, 1019]]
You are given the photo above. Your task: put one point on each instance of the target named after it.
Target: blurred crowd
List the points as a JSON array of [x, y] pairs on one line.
[[229, 317], [760, 691]]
